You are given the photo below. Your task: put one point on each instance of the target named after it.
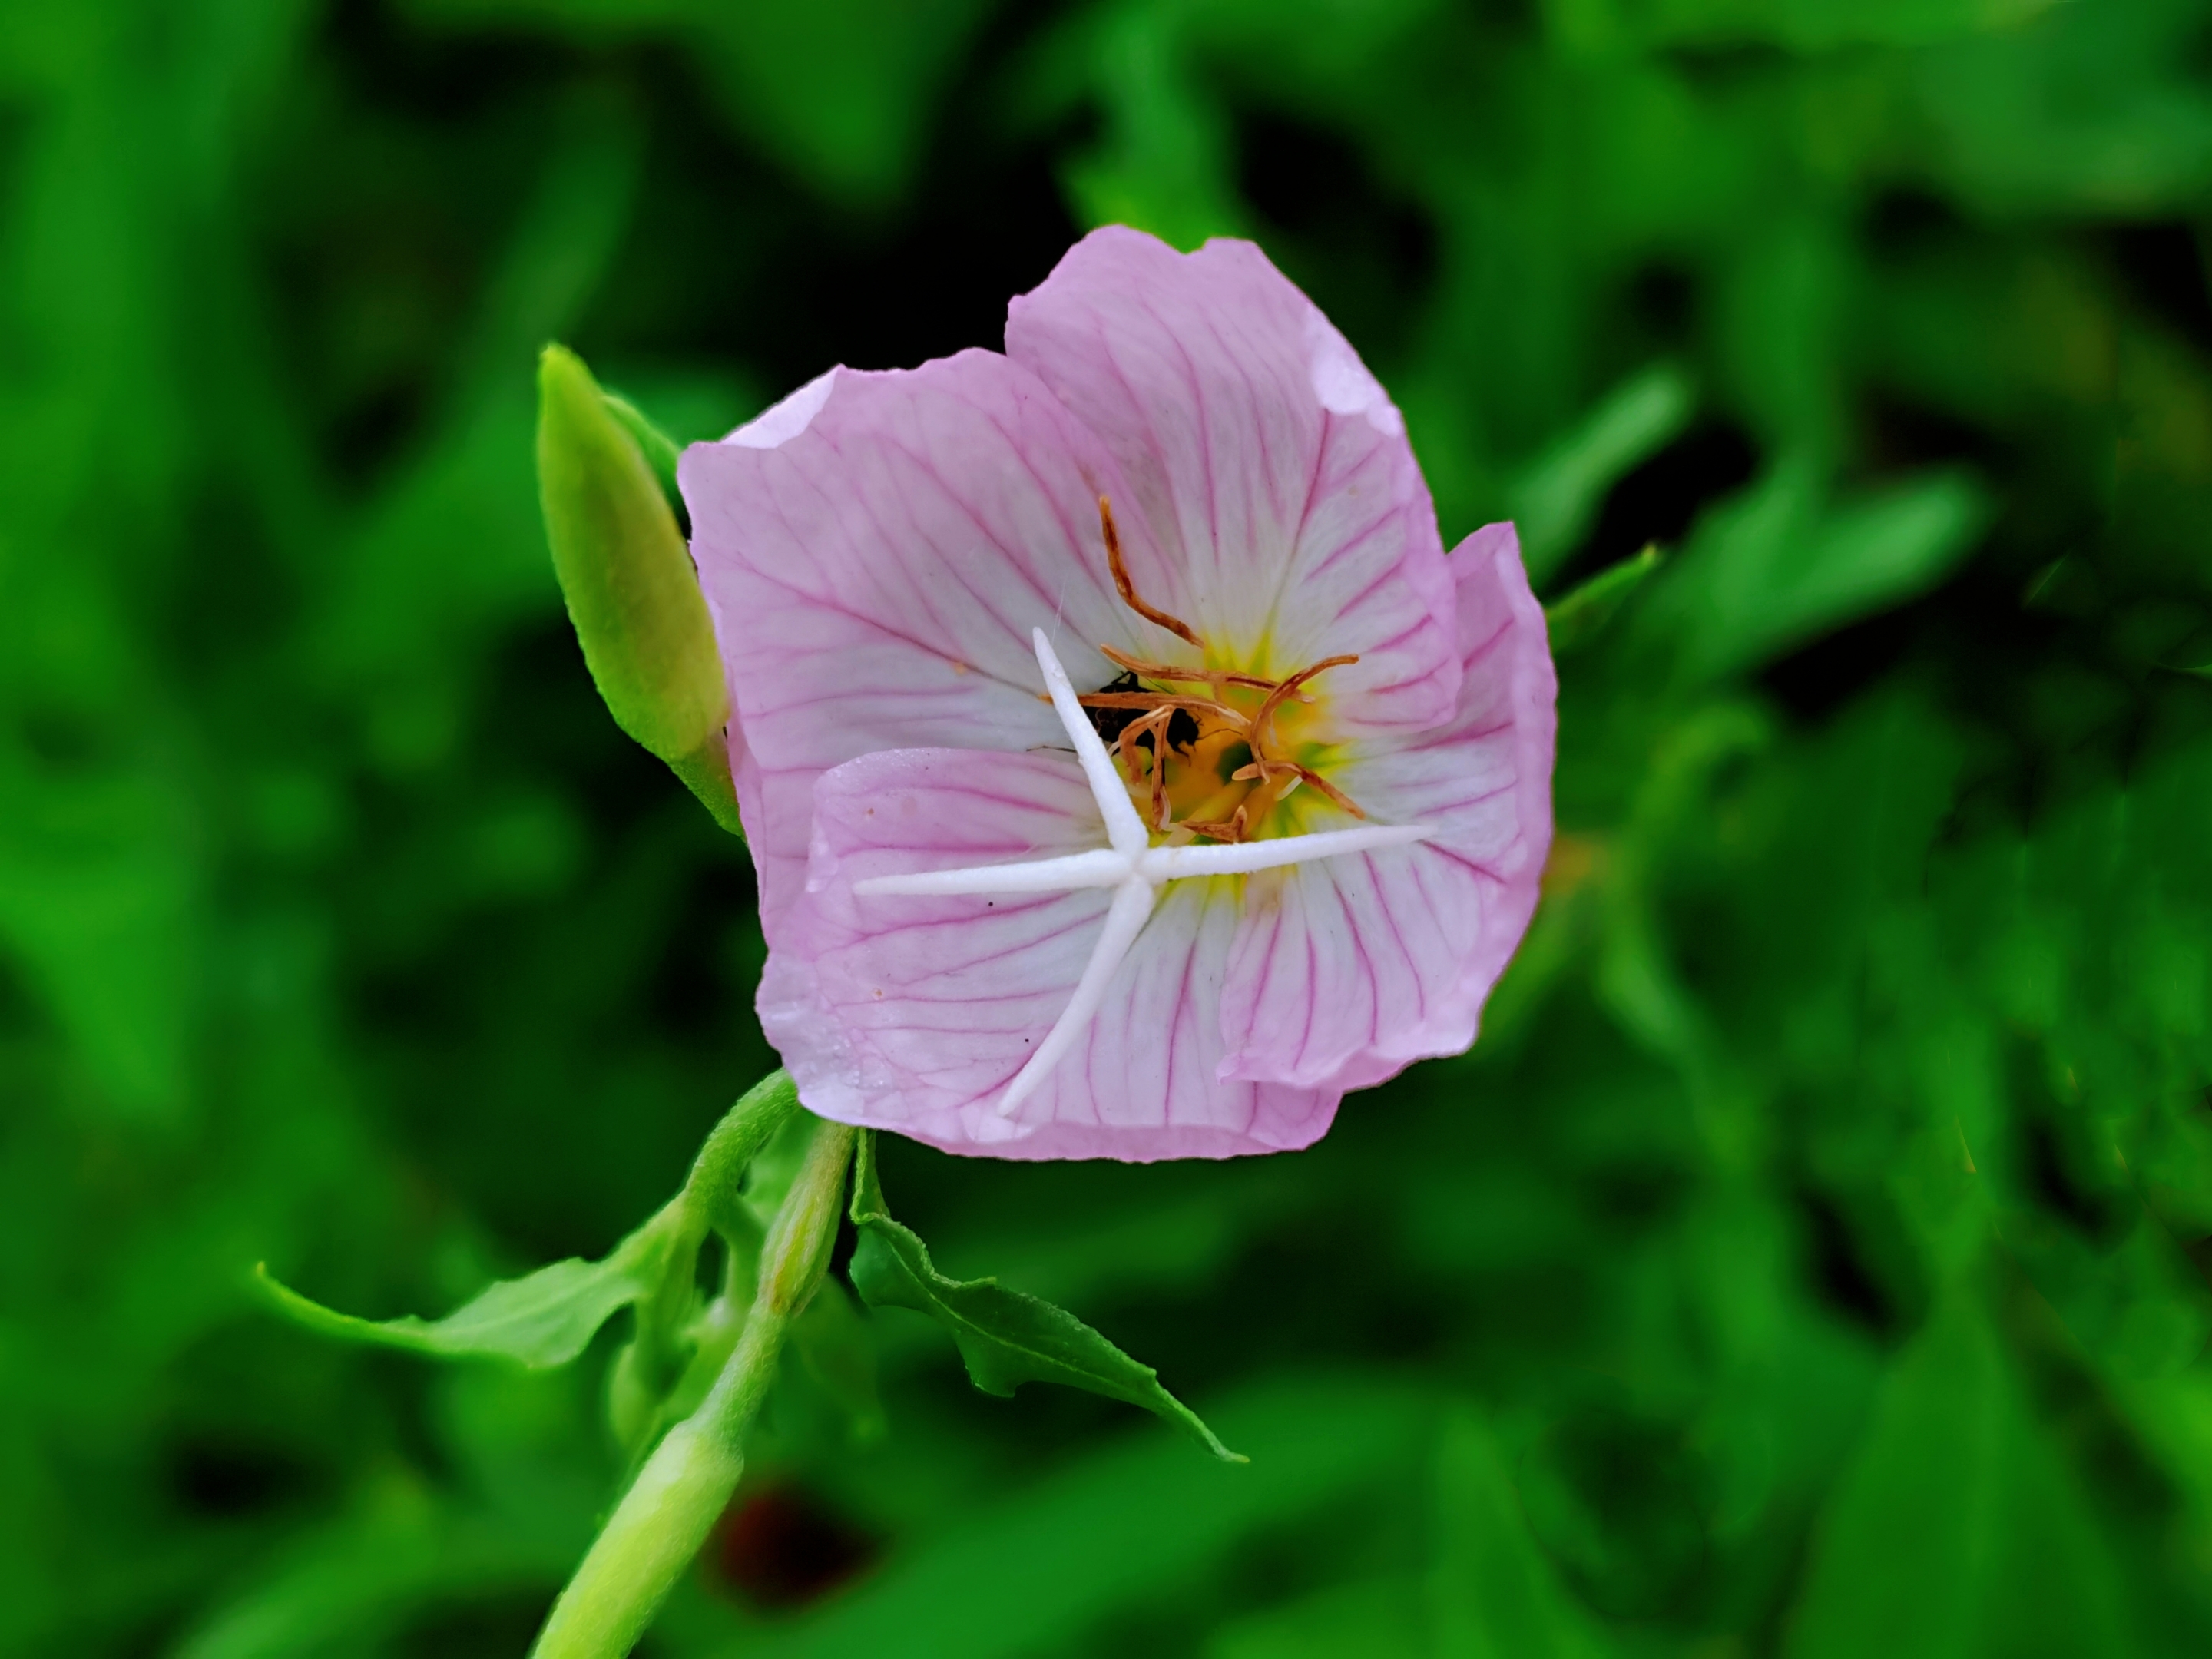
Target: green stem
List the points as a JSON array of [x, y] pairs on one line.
[[711, 1191], [658, 1355], [686, 1484]]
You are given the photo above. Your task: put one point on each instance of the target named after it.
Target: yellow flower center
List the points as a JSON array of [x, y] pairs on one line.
[[1210, 751]]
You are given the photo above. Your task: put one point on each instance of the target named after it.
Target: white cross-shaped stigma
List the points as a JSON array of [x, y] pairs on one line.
[[1130, 865]]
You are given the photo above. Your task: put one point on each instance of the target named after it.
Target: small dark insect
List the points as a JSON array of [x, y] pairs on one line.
[[1108, 723]]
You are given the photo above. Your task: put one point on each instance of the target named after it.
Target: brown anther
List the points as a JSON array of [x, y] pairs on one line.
[[1124, 747], [1307, 775], [1144, 699], [1268, 771], [1155, 725], [1153, 712], [1161, 815], [1158, 722], [1162, 671], [1231, 830], [1127, 589], [1152, 701]]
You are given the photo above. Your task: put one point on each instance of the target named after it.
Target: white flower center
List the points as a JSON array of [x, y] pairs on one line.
[[1129, 863]]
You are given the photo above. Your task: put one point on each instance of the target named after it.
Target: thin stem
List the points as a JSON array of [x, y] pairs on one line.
[[711, 1190], [686, 1484], [658, 1355]]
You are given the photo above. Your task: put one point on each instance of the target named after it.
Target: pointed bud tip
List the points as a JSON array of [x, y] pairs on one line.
[[565, 388], [626, 573]]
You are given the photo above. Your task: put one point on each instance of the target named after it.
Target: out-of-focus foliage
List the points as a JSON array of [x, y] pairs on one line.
[[1810, 1260]]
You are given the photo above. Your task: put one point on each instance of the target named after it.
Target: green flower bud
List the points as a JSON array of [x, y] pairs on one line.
[[629, 581], [660, 451]]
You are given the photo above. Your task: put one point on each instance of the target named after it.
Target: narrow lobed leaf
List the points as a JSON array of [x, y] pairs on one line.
[[1005, 1338], [543, 1319], [1578, 617], [1555, 501]]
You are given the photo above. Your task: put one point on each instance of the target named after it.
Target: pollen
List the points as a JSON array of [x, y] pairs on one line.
[[1201, 749]]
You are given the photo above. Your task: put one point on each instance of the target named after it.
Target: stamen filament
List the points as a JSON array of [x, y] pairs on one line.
[[1162, 671], [1150, 699], [1307, 774], [1127, 589]]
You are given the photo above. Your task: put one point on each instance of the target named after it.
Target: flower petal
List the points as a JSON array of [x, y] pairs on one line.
[[1346, 968], [1273, 471], [914, 1013], [875, 550]]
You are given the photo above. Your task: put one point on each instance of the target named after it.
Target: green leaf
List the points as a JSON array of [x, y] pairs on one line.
[[1375, 1618], [1163, 161], [1114, 1533], [1005, 1338], [1493, 1589], [1579, 616], [1959, 1530], [1813, 26], [358, 1583], [1555, 500], [1780, 564], [835, 1345], [545, 1318]]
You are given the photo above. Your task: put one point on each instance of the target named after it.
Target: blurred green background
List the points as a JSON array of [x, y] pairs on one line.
[[1810, 1260]]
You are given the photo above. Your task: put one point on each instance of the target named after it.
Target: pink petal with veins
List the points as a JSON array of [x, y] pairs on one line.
[[1270, 468], [875, 550], [912, 1014], [1347, 969]]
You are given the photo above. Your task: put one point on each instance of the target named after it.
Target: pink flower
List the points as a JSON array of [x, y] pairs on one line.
[[1278, 837]]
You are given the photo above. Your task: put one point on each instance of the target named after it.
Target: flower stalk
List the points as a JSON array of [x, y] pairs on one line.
[[658, 1355], [685, 1485]]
